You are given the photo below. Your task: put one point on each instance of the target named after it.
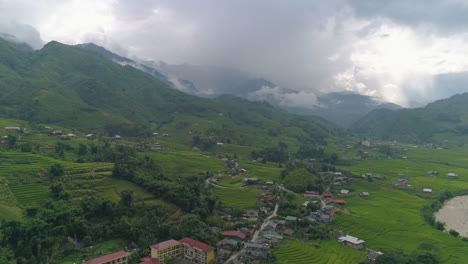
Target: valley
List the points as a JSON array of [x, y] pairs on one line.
[[98, 158]]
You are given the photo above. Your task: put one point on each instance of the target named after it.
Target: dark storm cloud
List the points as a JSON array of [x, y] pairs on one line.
[[307, 46], [286, 41]]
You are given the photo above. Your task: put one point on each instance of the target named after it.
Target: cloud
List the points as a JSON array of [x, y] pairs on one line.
[[392, 49], [22, 33], [285, 98]]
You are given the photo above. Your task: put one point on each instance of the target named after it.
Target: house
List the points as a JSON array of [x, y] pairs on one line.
[[68, 136], [10, 128], [271, 226], [364, 194], [452, 175], [344, 192], [57, 133], [269, 199], [234, 235], [117, 137], [340, 202], [149, 260], [185, 248], [120, 257], [291, 218], [311, 193], [427, 190], [328, 200], [351, 241], [90, 137], [252, 180], [325, 218], [167, 249], [378, 177], [366, 144], [242, 170], [401, 184], [257, 250], [288, 232], [373, 255], [251, 215], [306, 203], [432, 173], [269, 184], [327, 195], [196, 251], [271, 234], [338, 233]]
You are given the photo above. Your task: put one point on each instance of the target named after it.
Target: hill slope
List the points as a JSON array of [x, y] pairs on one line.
[[77, 88], [442, 121]]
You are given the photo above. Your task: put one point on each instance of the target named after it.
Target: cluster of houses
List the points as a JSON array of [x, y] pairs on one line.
[[186, 249]]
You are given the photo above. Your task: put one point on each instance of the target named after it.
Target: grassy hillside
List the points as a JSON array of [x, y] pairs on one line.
[[443, 122], [391, 218], [76, 88]]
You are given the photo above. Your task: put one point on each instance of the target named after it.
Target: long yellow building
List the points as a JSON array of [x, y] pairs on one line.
[[186, 248]]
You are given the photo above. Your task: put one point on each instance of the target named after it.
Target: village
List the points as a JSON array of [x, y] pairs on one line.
[[258, 230]]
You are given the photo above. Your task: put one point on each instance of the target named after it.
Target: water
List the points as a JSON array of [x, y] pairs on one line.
[[454, 213]]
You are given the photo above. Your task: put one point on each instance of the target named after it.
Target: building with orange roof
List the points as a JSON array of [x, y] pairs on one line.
[[120, 257], [167, 249]]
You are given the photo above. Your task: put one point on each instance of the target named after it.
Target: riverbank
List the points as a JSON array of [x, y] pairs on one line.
[[454, 213]]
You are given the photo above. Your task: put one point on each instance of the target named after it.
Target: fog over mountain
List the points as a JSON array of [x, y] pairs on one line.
[[401, 51]]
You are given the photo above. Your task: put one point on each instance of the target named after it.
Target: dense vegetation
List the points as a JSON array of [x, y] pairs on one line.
[[443, 122], [77, 88]]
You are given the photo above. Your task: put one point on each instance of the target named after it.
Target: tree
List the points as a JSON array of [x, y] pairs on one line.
[[57, 170], [11, 141], [126, 197], [454, 233], [82, 150], [58, 192], [439, 225]]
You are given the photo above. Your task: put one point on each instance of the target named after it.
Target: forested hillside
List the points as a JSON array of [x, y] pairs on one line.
[[444, 122], [81, 89]]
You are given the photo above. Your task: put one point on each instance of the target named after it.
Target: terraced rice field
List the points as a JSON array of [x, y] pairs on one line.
[[186, 163], [390, 219], [6, 196], [237, 198], [30, 194], [294, 251], [13, 164]]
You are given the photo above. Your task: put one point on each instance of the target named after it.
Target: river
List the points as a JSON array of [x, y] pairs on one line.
[[454, 213]]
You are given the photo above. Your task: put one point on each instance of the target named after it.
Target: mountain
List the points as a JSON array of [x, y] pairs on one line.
[[341, 108], [444, 121], [78, 88], [344, 108]]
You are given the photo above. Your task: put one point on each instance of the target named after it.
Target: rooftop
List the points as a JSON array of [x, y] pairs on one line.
[[149, 260], [166, 244], [107, 258], [234, 233], [196, 244], [351, 239]]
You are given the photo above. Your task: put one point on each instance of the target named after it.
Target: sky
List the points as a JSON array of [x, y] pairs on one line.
[[399, 50]]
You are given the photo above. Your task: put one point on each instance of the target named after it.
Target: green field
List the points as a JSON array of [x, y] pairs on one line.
[[237, 198], [391, 218], [30, 193], [329, 252], [186, 163]]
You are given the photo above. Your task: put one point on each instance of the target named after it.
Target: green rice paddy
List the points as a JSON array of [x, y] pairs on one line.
[[294, 251]]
